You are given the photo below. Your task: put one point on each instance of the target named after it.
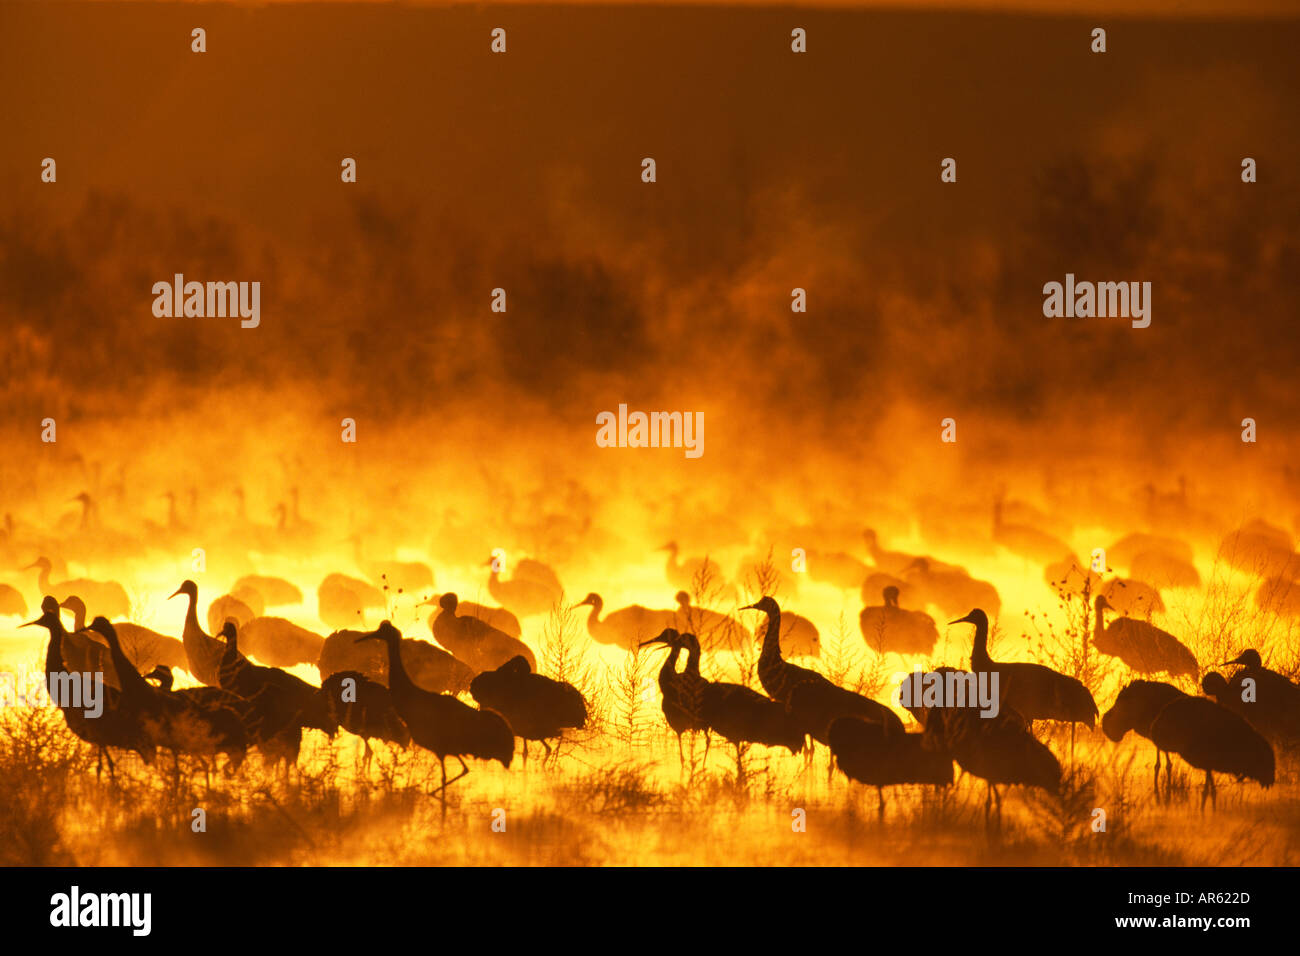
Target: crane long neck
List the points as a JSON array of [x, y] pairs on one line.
[[593, 616], [693, 660], [1099, 625], [132, 683], [54, 652], [669, 670], [398, 680], [43, 579], [979, 655], [192, 614], [772, 637]]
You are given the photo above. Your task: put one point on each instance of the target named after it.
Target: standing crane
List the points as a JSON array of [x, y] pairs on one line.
[[1136, 709], [1035, 692], [477, 643], [682, 693], [439, 722], [873, 754], [1143, 647], [818, 704], [889, 627], [536, 707], [1213, 739], [203, 652], [365, 708]]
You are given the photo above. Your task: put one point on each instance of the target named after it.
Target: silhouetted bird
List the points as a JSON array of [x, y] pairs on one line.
[[950, 589], [628, 627], [145, 648], [275, 592], [364, 708], [441, 723], [278, 642], [1025, 541], [690, 574], [1143, 647], [203, 652], [1133, 598], [682, 693], [889, 628], [430, 667], [817, 705], [715, 631], [106, 597], [536, 707], [1213, 739], [999, 750], [878, 756], [522, 596], [1267, 700], [407, 576], [478, 644], [1136, 709], [342, 601], [497, 617], [177, 723], [229, 607], [1035, 692], [12, 603], [114, 726]]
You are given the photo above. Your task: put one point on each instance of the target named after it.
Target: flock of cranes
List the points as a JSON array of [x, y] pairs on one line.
[[382, 686]]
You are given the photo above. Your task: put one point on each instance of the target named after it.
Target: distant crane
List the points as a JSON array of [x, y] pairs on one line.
[[409, 577], [819, 704], [432, 668], [535, 706], [627, 627], [889, 628], [478, 644], [950, 589], [276, 592], [106, 597], [1035, 692], [145, 648], [522, 596], [12, 603], [1025, 541], [1143, 647], [721, 632], [1134, 598], [441, 723], [687, 575], [278, 642], [497, 617]]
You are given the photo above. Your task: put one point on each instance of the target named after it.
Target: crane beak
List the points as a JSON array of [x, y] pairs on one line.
[[750, 607], [31, 623], [173, 594], [962, 620]]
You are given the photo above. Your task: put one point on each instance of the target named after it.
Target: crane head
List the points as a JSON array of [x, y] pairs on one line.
[[49, 614], [767, 604], [101, 627], [448, 602], [667, 636], [1247, 658], [591, 600], [188, 588], [976, 617]]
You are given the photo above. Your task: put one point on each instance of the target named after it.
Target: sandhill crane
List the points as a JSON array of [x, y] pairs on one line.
[[1266, 699], [1258, 547], [479, 645], [837, 569], [275, 592], [682, 693], [145, 648], [628, 627], [201, 651], [409, 577], [530, 569], [720, 632], [1136, 709], [877, 581], [211, 699], [889, 627], [173, 721], [1279, 595], [890, 562], [1133, 598], [284, 703], [536, 707], [522, 596], [820, 703], [880, 757], [1145, 648], [1025, 541], [432, 668], [229, 607], [1164, 571], [12, 603], [113, 727], [441, 723], [365, 708], [342, 601], [691, 574], [950, 589], [999, 750], [1213, 739], [739, 714], [278, 642], [1035, 692], [497, 617], [799, 636], [1126, 550], [107, 597]]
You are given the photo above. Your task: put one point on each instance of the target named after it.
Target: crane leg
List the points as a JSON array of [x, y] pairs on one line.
[[708, 739], [1157, 775], [880, 809], [525, 740], [1214, 792], [1169, 777], [1205, 790], [681, 754]]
